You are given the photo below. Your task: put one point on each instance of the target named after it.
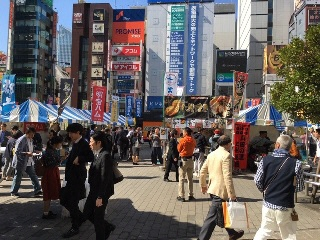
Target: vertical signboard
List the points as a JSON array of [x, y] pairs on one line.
[[175, 41], [240, 143], [65, 89], [239, 84], [129, 105], [98, 102], [138, 108], [170, 84], [192, 49], [8, 93], [114, 109]]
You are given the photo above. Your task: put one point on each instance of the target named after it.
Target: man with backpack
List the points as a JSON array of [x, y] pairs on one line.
[[213, 140]]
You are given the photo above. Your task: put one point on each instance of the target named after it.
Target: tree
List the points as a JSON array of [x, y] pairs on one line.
[[299, 93]]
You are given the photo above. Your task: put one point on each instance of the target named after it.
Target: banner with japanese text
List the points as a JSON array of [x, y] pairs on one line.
[[192, 51], [65, 90], [98, 103], [114, 109], [129, 105], [239, 85], [240, 145], [8, 93], [138, 108], [170, 84]]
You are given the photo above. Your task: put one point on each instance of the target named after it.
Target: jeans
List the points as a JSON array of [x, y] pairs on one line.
[[7, 169], [18, 176], [156, 153], [211, 220]]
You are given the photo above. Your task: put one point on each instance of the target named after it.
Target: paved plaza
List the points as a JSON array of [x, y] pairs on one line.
[[143, 207]]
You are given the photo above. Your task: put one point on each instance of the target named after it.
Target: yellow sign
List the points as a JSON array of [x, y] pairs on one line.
[[114, 111]]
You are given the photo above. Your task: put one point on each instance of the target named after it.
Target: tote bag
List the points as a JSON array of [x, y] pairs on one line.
[[235, 215]]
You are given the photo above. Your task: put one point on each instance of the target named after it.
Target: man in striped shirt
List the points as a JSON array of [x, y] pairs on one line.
[[278, 177]]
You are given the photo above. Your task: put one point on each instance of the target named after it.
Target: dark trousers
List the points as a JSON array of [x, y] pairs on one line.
[[96, 215], [69, 198], [211, 220], [169, 163], [156, 154]]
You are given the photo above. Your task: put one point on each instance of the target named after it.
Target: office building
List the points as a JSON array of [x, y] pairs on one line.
[[64, 41], [91, 30], [32, 30], [261, 23]]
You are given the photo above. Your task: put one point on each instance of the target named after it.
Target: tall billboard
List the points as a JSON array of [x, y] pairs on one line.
[[271, 59], [128, 26], [229, 61]]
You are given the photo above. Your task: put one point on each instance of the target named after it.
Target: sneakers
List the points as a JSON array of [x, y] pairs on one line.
[[181, 199], [192, 198], [50, 215], [72, 232], [38, 193], [237, 235], [15, 195]]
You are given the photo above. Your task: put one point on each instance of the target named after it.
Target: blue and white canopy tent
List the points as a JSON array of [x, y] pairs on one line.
[[267, 115], [29, 111], [69, 114], [106, 117]]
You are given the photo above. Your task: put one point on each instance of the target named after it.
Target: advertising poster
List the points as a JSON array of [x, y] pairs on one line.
[[125, 51], [8, 93], [85, 104], [97, 72], [126, 66], [179, 123], [98, 28], [97, 47], [220, 107], [240, 81], [114, 109], [174, 107], [163, 134], [65, 89], [138, 108], [251, 102], [175, 41], [98, 103], [97, 60], [271, 59], [170, 84], [195, 123], [192, 51], [240, 143], [129, 106], [196, 107]]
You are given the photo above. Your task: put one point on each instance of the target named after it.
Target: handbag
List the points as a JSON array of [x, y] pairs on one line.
[[117, 175], [137, 144], [235, 215], [39, 167]]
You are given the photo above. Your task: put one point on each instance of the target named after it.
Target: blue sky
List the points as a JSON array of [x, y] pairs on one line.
[[64, 9]]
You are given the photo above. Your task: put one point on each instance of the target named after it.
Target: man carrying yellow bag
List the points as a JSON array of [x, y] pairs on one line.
[[220, 188]]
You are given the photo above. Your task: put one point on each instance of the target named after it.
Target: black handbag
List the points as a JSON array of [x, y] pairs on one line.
[[117, 175]]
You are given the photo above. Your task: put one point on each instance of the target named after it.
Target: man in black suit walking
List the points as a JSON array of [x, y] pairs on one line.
[[75, 176]]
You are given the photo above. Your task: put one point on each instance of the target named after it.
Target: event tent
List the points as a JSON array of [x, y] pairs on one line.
[[267, 115]]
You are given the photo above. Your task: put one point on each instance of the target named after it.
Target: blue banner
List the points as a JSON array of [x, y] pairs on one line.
[[128, 15], [129, 106], [138, 108], [8, 93], [154, 102], [192, 52]]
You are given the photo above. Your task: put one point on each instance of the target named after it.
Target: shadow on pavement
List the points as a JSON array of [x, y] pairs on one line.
[[134, 224], [140, 177]]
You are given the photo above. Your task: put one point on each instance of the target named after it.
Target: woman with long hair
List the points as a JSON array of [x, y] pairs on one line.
[[50, 181], [172, 156]]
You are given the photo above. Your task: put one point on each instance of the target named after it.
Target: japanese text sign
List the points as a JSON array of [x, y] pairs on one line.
[[98, 103]]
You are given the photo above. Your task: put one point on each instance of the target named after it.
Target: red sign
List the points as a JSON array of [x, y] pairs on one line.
[[240, 143], [125, 51], [127, 32], [11, 12], [54, 25], [126, 66], [38, 126], [98, 103]]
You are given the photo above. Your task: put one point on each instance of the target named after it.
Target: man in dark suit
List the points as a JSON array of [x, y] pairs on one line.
[[75, 176], [101, 186]]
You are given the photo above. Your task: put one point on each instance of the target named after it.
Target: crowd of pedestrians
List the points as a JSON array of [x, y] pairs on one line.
[[278, 176]]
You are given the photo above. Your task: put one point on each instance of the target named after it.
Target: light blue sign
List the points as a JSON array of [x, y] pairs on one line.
[[8, 93], [192, 49], [154, 102]]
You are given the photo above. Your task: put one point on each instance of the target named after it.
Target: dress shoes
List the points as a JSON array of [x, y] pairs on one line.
[[237, 235], [181, 199], [72, 232]]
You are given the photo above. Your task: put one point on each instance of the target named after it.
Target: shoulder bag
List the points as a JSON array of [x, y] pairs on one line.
[[117, 175]]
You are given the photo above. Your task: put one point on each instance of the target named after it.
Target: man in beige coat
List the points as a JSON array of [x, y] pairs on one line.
[[220, 188]]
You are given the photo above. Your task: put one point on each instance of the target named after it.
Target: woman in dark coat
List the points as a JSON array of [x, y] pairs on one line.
[[172, 156], [101, 187]]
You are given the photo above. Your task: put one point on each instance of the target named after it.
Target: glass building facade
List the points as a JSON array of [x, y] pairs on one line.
[[32, 47], [64, 42]]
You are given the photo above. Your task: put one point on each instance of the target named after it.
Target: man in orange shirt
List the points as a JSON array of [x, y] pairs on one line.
[[185, 148]]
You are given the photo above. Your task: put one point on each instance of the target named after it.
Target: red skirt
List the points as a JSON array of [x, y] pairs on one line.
[[50, 184]]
